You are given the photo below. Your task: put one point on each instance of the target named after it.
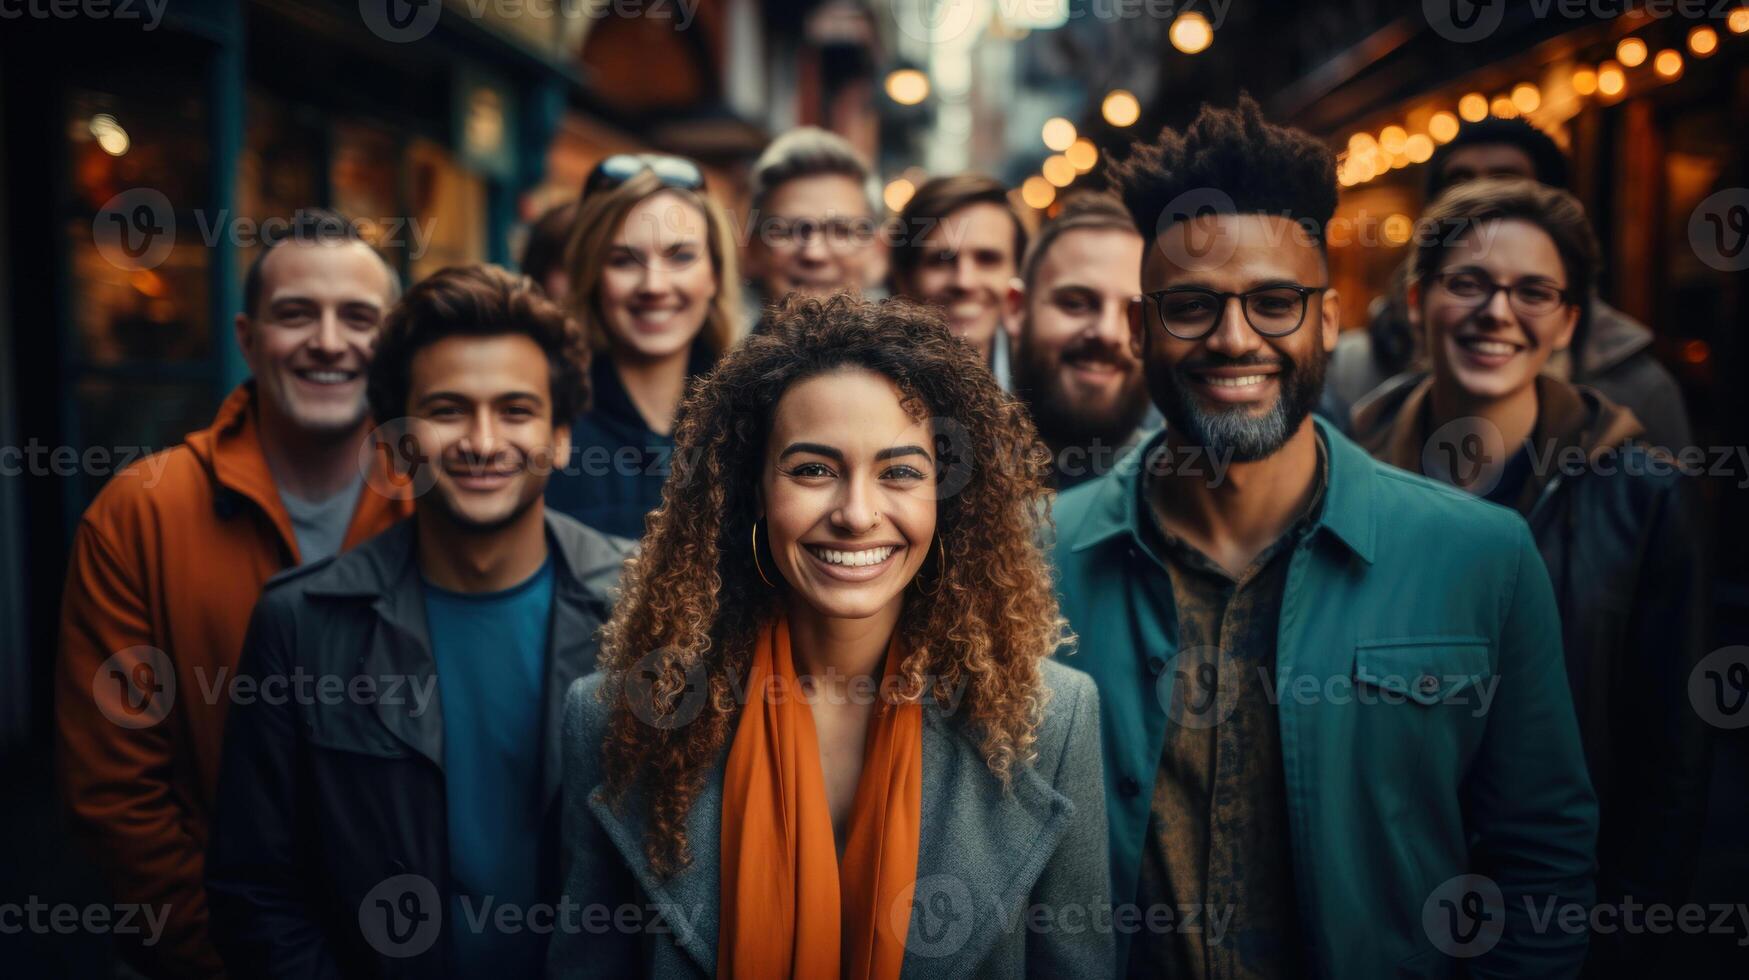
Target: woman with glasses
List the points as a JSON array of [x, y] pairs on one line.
[[827, 738], [652, 272], [1499, 282]]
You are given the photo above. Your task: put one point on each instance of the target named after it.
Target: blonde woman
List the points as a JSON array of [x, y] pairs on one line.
[[653, 281]]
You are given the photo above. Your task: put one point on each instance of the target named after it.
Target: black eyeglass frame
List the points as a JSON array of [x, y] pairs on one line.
[[1563, 295], [676, 172], [1157, 299]]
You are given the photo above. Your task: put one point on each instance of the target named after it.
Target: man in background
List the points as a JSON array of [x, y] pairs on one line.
[[1068, 315], [171, 555], [956, 245], [813, 226]]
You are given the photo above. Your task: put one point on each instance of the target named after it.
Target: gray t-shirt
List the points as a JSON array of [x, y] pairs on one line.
[[321, 525]]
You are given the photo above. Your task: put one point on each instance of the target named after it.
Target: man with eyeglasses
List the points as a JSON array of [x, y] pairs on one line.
[[812, 226], [1334, 711]]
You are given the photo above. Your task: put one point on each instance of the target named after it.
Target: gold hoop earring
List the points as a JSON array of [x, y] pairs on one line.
[[756, 565]]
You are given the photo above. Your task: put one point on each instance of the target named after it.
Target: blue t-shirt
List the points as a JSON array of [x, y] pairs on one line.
[[490, 649]]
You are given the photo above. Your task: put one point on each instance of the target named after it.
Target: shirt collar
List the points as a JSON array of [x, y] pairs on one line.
[[1345, 512]]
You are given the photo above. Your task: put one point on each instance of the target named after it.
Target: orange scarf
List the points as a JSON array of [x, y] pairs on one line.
[[786, 900]]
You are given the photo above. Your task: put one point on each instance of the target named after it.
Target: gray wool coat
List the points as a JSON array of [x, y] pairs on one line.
[[1009, 883]]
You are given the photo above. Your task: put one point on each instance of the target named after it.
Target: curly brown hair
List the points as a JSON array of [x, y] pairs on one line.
[[693, 602]]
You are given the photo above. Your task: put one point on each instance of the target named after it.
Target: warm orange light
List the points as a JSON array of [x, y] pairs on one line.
[[1503, 107], [907, 86], [1631, 52], [1703, 41], [1397, 228], [1696, 352], [1442, 127], [1668, 63], [1058, 170], [1083, 154], [1362, 169], [1738, 20], [1121, 108], [1473, 107], [1037, 192], [1362, 143], [1584, 82], [1526, 97], [898, 194], [1191, 33], [1418, 148], [1611, 80], [1392, 138], [1058, 133]]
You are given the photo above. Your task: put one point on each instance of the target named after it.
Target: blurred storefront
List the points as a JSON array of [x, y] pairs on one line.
[[145, 150], [1649, 112], [141, 162]]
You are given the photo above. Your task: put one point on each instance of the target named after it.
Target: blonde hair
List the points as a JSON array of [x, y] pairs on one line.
[[599, 218]]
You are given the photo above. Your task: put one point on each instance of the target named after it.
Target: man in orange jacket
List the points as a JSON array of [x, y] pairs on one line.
[[170, 557]]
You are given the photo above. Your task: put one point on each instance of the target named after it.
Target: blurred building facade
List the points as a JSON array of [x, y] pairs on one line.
[[143, 157]]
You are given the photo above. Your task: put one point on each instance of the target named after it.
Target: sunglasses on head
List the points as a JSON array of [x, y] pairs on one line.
[[677, 172]]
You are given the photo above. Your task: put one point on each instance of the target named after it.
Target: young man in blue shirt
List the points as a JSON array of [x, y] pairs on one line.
[[387, 800]]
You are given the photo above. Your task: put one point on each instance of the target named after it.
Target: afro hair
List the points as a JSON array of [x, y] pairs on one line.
[[1232, 161]]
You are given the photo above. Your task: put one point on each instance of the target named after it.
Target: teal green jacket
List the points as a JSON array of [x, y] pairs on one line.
[[1427, 730]]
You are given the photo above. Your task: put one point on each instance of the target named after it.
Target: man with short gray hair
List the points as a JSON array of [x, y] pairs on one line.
[[813, 222]]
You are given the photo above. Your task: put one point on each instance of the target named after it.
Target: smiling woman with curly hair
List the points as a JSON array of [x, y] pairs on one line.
[[826, 738]]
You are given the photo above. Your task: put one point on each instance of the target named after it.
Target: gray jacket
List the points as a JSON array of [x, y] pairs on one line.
[[1009, 884]]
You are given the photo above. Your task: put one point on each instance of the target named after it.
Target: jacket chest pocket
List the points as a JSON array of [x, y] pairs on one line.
[[1421, 707], [1428, 671]]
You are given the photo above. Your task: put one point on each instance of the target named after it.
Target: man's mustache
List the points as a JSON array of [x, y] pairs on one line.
[[1097, 350], [1209, 362]]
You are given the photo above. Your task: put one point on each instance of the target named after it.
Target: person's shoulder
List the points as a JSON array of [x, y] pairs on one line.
[[594, 556], [1071, 697], [170, 484], [586, 712], [1411, 505]]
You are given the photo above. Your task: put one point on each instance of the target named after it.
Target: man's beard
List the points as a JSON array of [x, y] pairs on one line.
[[1237, 432], [1061, 422]]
